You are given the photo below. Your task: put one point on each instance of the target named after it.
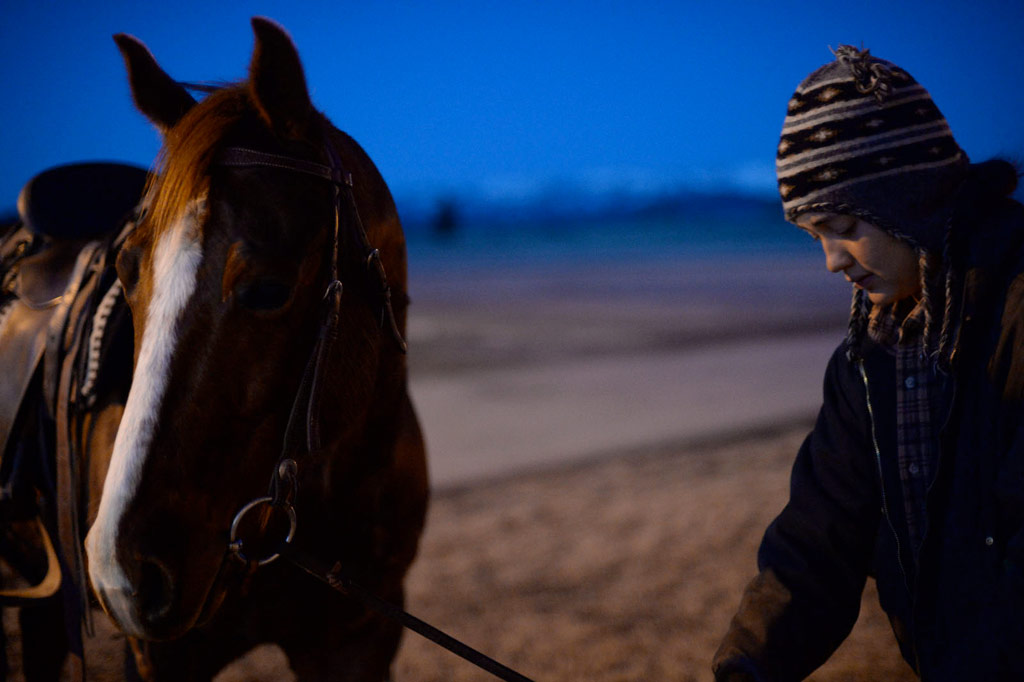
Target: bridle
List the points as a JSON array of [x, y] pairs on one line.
[[341, 181], [284, 479], [305, 407]]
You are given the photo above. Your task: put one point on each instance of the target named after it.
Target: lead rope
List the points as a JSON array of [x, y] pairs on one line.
[[337, 580]]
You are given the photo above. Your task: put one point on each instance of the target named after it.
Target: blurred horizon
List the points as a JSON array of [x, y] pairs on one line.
[[513, 103]]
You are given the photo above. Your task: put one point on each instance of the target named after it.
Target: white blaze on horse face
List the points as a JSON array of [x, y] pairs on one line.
[[175, 267]]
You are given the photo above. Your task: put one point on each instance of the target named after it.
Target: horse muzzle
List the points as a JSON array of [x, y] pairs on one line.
[[143, 597]]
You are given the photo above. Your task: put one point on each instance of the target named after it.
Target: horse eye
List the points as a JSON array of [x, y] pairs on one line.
[[263, 294], [127, 266]]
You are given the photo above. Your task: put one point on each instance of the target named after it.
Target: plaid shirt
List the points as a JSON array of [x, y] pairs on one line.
[[916, 441]]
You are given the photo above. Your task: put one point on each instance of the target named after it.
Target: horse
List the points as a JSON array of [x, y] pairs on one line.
[[265, 277]]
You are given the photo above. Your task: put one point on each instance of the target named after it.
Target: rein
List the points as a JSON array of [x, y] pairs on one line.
[[284, 479], [335, 579]]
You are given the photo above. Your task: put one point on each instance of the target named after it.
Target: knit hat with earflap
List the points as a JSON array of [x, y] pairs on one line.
[[863, 138]]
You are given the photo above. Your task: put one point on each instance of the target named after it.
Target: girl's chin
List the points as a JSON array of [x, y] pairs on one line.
[[881, 297], [887, 297]]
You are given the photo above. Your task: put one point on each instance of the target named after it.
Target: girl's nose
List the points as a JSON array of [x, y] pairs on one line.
[[837, 257]]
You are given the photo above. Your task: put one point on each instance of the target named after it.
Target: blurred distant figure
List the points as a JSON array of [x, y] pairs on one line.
[[446, 219], [914, 471]]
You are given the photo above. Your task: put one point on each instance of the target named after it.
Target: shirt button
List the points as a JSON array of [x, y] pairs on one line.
[[910, 382], [914, 469], [990, 541]]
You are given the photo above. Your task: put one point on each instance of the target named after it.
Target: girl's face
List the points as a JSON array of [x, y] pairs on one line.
[[875, 261]]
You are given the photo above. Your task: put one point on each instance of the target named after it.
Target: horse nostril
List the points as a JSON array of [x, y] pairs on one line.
[[156, 589]]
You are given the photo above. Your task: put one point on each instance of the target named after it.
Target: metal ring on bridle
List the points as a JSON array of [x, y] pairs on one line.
[[235, 545]]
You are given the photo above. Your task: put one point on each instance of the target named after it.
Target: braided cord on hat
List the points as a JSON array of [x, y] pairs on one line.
[[925, 267], [858, 324], [950, 328]]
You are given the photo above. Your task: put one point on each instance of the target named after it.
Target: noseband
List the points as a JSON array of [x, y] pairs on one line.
[[305, 407]]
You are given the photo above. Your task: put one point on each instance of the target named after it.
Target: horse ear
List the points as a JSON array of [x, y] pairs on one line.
[[277, 83], [157, 95]]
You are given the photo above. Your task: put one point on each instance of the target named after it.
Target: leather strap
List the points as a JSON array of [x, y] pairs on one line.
[[68, 479], [306, 405], [243, 157], [66, 340], [23, 339], [322, 354]]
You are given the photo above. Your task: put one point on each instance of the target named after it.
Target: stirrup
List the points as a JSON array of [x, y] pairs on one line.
[[50, 583]]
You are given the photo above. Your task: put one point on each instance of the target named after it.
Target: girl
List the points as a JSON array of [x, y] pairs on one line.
[[914, 471]]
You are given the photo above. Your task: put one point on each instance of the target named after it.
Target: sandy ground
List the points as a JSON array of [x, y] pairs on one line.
[[607, 446], [623, 569], [627, 568]]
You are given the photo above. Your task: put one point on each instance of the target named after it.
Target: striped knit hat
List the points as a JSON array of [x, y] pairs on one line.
[[863, 138]]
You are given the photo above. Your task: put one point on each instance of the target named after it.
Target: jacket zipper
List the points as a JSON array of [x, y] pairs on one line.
[[881, 479]]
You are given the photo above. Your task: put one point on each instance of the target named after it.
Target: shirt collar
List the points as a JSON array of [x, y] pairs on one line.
[[897, 324]]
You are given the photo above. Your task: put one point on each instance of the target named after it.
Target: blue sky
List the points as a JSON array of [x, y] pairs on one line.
[[498, 97]]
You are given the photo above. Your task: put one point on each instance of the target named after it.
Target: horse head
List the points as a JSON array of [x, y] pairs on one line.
[[225, 275]]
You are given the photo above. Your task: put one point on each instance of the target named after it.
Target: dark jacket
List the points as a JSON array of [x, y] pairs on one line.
[[957, 605]]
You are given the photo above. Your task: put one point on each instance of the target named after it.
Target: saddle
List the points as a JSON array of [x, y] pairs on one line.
[[63, 330]]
